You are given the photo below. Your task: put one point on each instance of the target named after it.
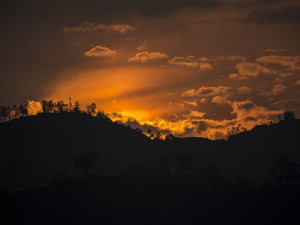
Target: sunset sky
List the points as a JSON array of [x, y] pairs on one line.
[[192, 68]]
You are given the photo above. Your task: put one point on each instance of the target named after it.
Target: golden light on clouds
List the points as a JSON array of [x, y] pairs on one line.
[[146, 95], [193, 69]]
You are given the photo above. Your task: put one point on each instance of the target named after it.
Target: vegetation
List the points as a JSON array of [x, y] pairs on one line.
[[251, 178]]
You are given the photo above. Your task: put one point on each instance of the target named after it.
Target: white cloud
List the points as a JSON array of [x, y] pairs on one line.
[[188, 93], [192, 103], [249, 69], [289, 61], [88, 27], [196, 114], [219, 100], [100, 51], [244, 90], [142, 48], [148, 56], [191, 61], [203, 100], [212, 91], [247, 108], [206, 91], [205, 66], [184, 61], [278, 88], [121, 28]]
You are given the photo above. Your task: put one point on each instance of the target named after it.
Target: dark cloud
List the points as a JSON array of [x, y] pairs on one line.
[[285, 15], [287, 104], [96, 8], [250, 118], [201, 126], [246, 106]]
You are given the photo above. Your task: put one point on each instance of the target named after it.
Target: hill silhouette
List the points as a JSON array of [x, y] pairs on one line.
[[36, 149], [75, 168]]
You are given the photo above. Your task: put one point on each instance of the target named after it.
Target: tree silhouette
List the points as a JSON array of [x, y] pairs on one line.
[[158, 135], [16, 111], [150, 133], [8, 112], [288, 115], [85, 160], [170, 137], [23, 109], [76, 107], [91, 109], [3, 113], [61, 106]]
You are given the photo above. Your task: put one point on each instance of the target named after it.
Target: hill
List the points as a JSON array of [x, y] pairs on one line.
[[35, 149]]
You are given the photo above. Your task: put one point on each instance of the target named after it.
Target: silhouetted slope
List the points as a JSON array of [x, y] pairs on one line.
[[253, 152], [35, 148]]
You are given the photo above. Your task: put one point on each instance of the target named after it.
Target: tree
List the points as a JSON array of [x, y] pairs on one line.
[[70, 106], [288, 115], [8, 112], [170, 137], [158, 135], [85, 160], [44, 106], [50, 106], [150, 133], [91, 109], [23, 109], [3, 113], [102, 115], [16, 111], [76, 107], [61, 106]]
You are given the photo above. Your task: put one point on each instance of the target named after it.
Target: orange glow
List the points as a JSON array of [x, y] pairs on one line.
[[145, 94]]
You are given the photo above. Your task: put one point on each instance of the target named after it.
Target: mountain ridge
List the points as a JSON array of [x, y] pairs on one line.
[[35, 148]]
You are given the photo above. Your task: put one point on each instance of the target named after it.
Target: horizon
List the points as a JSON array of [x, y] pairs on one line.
[[49, 107]]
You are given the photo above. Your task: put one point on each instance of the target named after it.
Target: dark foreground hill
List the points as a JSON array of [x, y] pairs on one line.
[[36, 149]]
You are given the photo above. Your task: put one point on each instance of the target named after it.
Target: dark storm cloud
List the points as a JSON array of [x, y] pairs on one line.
[[285, 15]]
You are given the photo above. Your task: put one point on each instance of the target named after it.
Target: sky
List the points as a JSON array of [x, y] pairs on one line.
[[201, 68]]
